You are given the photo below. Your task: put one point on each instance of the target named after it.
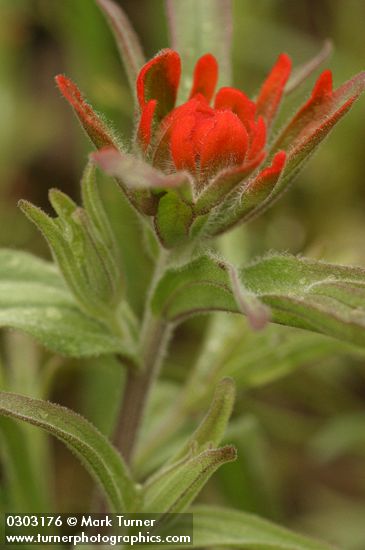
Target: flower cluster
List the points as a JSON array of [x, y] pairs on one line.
[[196, 136], [203, 166]]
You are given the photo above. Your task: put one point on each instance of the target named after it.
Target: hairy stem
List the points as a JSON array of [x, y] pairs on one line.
[[154, 337]]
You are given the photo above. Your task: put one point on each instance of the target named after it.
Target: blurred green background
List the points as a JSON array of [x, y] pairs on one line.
[[301, 436]]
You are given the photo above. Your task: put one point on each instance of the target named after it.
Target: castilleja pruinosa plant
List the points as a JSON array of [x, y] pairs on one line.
[[202, 160]]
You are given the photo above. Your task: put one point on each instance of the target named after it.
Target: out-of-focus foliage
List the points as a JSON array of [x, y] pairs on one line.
[[300, 437]]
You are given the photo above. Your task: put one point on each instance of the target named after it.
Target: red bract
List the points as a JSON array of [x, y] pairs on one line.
[[196, 136], [203, 139], [93, 125]]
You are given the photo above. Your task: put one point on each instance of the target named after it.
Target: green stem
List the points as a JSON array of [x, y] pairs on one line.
[[154, 338], [220, 339]]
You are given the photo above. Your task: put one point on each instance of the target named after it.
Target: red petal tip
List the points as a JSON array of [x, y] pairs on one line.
[[276, 166], [236, 101], [324, 86], [266, 180], [272, 89], [205, 76], [70, 91], [159, 79], [99, 134], [284, 61]]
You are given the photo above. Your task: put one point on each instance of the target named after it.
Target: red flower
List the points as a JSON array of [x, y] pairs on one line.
[[216, 143], [196, 136]]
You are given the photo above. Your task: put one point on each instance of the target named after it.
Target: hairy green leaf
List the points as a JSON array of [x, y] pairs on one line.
[[83, 257], [212, 428], [312, 295], [174, 488], [94, 207], [34, 298], [92, 448], [200, 286], [302, 293], [127, 41]]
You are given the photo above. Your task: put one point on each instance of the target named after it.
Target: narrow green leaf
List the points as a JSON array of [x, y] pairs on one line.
[[92, 448], [302, 293], [176, 487], [84, 259], [34, 298], [97, 252], [220, 527], [94, 207], [312, 295], [199, 27], [63, 205], [211, 430], [101, 269], [127, 41], [64, 243]]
